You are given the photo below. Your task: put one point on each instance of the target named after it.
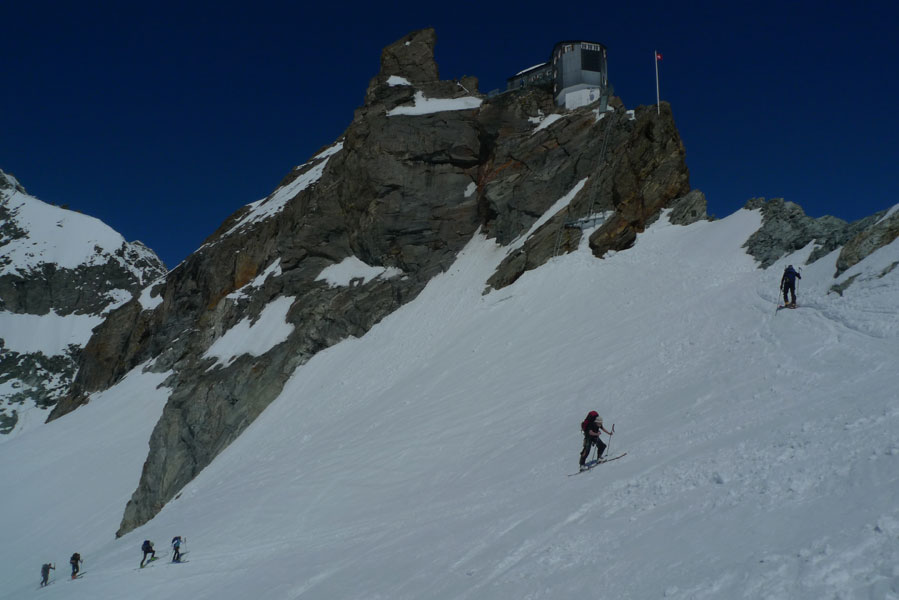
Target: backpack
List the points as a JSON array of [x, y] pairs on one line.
[[790, 275], [75, 558], [176, 541], [147, 546]]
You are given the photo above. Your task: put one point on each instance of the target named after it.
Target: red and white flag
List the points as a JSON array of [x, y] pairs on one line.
[[658, 56]]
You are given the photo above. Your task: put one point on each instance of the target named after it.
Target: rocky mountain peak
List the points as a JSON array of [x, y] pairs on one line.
[[410, 58], [8, 182], [409, 75]]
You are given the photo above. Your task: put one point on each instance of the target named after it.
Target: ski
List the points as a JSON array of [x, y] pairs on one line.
[[605, 460], [149, 562], [593, 464]]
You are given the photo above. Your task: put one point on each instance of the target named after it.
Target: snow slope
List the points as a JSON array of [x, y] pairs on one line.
[[428, 459], [65, 483]]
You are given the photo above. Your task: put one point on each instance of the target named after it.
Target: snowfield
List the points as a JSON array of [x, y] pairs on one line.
[[429, 459]]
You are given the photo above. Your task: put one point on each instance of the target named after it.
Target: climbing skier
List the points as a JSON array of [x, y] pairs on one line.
[[788, 284], [76, 562], [45, 573], [147, 548], [591, 427], [176, 546]]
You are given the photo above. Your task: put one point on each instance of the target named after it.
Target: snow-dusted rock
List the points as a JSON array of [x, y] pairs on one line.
[[61, 272]]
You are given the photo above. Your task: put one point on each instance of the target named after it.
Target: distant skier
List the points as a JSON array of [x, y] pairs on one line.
[[591, 427], [147, 548], [788, 284], [176, 546], [45, 573], [76, 562]]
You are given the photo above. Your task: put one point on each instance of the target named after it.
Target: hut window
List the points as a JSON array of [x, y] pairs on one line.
[[591, 60]]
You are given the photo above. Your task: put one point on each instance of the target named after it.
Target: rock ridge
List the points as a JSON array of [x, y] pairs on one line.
[[786, 229]]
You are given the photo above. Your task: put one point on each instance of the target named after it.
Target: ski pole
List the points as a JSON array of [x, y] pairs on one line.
[[609, 447]]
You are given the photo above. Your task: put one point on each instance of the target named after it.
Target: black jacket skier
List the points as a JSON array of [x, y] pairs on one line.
[[147, 548], [75, 561], [591, 427], [45, 572], [788, 284]]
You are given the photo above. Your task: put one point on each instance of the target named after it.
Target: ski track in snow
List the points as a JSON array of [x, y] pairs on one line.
[[428, 459]]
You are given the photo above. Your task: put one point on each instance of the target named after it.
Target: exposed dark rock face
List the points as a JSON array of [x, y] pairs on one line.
[[880, 233], [786, 228], [33, 283], [633, 163], [689, 209], [37, 380], [84, 289]]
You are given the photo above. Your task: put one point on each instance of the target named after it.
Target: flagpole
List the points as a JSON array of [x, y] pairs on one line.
[[655, 54]]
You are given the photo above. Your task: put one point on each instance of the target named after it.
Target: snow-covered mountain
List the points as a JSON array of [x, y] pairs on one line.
[[429, 458], [61, 272], [369, 383], [424, 165]]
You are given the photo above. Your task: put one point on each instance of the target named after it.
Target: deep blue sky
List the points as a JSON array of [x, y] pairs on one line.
[[163, 120]]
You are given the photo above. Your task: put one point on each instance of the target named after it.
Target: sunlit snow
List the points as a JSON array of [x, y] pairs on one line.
[[537, 66], [65, 483], [351, 268], [426, 106], [397, 80], [430, 457], [50, 334], [893, 209], [147, 300], [546, 122], [254, 337]]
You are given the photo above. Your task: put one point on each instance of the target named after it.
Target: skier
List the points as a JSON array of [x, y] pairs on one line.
[[147, 547], [788, 284], [76, 562], [45, 573], [176, 546], [591, 427]]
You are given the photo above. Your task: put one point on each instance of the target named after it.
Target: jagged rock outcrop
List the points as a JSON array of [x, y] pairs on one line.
[[423, 166], [786, 228], [60, 272], [631, 164], [689, 209], [883, 230]]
